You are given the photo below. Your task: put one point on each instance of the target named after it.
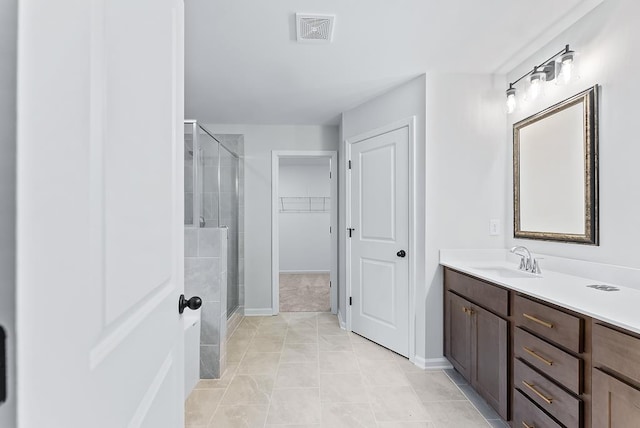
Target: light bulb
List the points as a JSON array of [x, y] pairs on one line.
[[511, 99], [534, 89], [566, 66], [536, 80], [566, 70]]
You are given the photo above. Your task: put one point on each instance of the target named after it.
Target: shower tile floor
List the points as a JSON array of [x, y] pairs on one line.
[[308, 292], [300, 369]]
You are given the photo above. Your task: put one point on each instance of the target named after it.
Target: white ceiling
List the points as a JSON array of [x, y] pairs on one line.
[[243, 64]]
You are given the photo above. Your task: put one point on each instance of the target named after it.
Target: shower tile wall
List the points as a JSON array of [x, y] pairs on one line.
[[205, 266], [214, 255]]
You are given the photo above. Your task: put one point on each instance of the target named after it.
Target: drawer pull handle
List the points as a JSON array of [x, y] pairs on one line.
[[526, 425], [537, 320], [534, 354], [538, 393]]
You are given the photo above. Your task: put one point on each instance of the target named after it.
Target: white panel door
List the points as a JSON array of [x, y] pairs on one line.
[[380, 222], [100, 213]]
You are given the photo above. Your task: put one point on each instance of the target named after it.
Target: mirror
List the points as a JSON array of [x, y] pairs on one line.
[[555, 172]]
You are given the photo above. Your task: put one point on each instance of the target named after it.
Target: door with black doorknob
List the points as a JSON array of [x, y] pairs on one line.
[[379, 222], [105, 266]]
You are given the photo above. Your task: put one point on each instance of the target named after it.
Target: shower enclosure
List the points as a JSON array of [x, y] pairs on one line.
[[211, 183]]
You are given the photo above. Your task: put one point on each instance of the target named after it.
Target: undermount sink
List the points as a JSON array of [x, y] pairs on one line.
[[506, 272]]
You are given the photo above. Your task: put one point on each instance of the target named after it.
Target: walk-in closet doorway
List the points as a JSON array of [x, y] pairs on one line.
[[304, 231]]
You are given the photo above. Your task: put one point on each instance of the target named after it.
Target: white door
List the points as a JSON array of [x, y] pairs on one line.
[[100, 212], [379, 209]]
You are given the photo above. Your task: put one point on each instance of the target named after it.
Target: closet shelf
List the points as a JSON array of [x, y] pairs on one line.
[[305, 204]]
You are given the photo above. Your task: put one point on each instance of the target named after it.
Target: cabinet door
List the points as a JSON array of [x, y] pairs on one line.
[[489, 347], [615, 404], [458, 333]]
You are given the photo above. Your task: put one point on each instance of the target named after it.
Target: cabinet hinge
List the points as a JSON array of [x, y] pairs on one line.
[[350, 301], [349, 164]]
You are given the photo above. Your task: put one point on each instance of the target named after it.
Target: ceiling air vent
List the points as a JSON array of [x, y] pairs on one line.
[[314, 28]]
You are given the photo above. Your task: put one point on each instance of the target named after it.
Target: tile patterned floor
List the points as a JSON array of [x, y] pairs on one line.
[[304, 292], [301, 370]]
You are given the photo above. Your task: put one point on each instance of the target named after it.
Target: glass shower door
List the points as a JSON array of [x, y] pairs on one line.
[[228, 215]]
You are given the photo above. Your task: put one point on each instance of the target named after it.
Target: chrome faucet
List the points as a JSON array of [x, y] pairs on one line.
[[527, 262]]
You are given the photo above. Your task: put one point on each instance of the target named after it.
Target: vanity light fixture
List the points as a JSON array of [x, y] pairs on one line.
[[559, 67], [511, 99]]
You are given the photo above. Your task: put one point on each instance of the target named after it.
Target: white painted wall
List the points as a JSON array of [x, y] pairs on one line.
[[466, 151], [402, 102], [260, 141], [302, 177], [461, 151], [607, 40], [305, 242], [8, 40]]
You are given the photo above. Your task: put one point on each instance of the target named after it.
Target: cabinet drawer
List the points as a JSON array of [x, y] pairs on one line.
[[615, 404], [617, 351], [528, 415], [552, 324], [554, 362], [556, 401], [484, 294]]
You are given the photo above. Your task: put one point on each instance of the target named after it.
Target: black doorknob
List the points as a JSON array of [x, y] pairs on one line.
[[193, 303], [401, 253]]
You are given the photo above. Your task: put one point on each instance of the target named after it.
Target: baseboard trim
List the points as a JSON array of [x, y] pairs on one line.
[[432, 363], [343, 325], [257, 312]]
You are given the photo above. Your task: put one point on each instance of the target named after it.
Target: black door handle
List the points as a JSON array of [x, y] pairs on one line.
[[193, 303], [401, 253]]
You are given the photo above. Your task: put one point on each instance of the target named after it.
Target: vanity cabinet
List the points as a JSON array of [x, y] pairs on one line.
[[525, 357], [616, 377], [476, 338], [549, 356], [458, 333], [538, 364]]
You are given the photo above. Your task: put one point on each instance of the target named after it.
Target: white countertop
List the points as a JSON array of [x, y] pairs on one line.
[[620, 308]]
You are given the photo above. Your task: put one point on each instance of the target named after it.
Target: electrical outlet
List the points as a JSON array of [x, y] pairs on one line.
[[494, 227]]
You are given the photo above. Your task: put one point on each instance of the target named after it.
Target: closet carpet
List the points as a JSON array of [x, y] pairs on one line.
[[308, 292]]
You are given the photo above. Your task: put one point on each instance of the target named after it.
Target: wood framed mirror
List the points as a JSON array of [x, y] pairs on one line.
[[555, 172]]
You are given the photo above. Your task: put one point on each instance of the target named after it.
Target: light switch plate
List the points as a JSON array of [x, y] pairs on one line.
[[494, 227]]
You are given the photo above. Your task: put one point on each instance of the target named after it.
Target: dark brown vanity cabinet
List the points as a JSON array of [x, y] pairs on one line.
[[477, 339], [616, 377], [559, 368], [458, 333], [549, 359]]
